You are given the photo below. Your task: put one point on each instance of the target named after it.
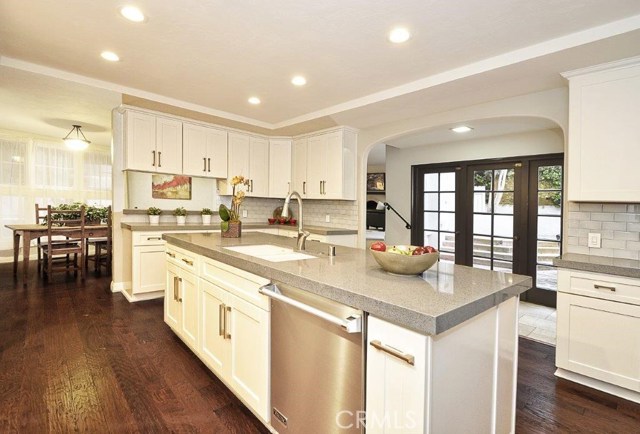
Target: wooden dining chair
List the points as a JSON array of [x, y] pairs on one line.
[[101, 247], [71, 225]]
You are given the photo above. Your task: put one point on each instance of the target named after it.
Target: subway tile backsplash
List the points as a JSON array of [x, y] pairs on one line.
[[343, 213], [618, 224]]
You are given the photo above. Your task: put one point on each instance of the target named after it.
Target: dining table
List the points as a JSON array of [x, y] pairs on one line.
[[29, 232]]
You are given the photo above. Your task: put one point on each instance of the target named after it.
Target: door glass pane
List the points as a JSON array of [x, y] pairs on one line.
[[447, 257], [503, 203], [503, 249], [505, 267], [482, 202], [431, 182], [447, 221], [482, 224], [482, 246], [482, 263], [447, 201], [431, 201], [549, 228], [547, 277], [503, 180], [550, 178], [430, 238], [547, 251], [503, 225], [447, 242], [550, 202], [431, 221], [448, 181], [482, 180]]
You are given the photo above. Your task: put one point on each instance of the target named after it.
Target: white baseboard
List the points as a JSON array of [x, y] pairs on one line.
[[120, 286], [142, 297], [599, 385]]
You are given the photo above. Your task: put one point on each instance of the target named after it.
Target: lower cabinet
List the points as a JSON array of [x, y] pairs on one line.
[[181, 304], [147, 268]]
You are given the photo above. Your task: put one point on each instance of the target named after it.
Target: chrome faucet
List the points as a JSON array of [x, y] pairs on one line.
[[302, 234]]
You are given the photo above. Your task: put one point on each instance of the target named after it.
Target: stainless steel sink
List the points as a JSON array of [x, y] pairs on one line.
[[270, 252]]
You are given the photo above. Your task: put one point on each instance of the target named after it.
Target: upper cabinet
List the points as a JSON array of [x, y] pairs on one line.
[[299, 166], [204, 151], [153, 143], [249, 157], [604, 139], [326, 165], [280, 168]]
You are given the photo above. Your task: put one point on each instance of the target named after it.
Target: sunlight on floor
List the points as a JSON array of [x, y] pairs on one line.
[[537, 322]]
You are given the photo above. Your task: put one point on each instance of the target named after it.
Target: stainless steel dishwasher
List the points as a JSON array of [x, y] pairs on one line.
[[317, 363]]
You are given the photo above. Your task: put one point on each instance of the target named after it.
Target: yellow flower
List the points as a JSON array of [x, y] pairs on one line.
[[239, 179]]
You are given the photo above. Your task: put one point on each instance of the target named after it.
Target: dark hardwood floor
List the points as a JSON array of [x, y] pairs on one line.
[[76, 358]]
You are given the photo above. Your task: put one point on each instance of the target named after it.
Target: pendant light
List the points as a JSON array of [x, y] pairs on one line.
[[75, 139]]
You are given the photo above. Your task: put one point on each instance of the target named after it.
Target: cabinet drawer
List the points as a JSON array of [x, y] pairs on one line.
[[240, 283], [602, 286], [183, 259], [148, 239]]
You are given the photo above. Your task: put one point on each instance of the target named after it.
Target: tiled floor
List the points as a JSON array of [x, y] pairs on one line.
[[538, 322]]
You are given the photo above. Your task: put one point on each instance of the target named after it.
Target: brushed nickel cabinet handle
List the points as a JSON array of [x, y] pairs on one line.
[[221, 321], [159, 159], [320, 187], [610, 288], [175, 288], [209, 162], [251, 185], [172, 255], [288, 187], [154, 238], [204, 160], [395, 353], [188, 262], [227, 315], [304, 187], [180, 290], [154, 158]]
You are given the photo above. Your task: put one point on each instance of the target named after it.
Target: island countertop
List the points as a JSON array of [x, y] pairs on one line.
[[439, 299]]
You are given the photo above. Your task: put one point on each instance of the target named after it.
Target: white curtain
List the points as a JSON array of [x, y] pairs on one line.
[[36, 170]]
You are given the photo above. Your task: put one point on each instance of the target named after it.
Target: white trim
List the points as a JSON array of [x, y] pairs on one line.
[[120, 286], [617, 64], [599, 385]]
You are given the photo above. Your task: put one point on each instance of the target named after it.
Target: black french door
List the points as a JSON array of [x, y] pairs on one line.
[[503, 215]]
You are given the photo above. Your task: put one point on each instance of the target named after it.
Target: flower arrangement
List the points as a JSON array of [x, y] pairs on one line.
[[237, 198]]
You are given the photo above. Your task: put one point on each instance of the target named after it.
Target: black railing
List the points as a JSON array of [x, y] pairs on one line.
[[406, 223]]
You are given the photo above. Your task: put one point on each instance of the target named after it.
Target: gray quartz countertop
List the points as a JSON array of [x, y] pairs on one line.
[[172, 226], [439, 299], [599, 264]]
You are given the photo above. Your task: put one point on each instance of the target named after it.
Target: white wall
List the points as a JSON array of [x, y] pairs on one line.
[[399, 162], [203, 194]]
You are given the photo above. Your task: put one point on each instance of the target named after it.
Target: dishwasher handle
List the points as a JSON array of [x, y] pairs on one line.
[[352, 324]]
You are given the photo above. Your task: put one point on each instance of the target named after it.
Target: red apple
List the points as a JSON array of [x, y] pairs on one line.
[[419, 251], [430, 249], [379, 246]]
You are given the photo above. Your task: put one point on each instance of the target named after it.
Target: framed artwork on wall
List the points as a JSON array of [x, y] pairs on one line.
[[171, 187], [375, 183]]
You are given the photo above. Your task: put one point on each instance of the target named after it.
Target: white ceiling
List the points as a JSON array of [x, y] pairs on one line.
[[212, 55]]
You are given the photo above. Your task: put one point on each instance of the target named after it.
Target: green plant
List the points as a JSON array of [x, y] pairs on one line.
[[180, 212], [154, 211], [224, 212], [206, 211], [96, 214]]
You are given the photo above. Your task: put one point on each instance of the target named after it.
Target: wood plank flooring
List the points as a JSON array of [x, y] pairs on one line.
[[76, 358]]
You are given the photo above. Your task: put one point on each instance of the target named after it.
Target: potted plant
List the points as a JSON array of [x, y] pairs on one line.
[[231, 226], [206, 216], [181, 215], [154, 215], [95, 215]]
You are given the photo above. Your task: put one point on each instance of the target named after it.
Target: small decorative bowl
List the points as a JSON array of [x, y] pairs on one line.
[[407, 265], [293, 222], [282, 220], [272, 221]]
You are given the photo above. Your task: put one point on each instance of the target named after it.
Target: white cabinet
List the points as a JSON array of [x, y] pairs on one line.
[[280, 168], [249, 157], [598, 331], [182, 298], [204, 151], [148, 263], [172, 309], [299, 166], [153, 143], [214, 350], [328, 171], [604, 103]]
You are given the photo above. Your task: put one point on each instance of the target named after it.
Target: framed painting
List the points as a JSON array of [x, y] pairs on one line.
[[375, 183], [171, 187]]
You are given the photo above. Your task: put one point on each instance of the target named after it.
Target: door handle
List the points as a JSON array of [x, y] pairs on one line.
[[175, 288], [610, 288], [154, 238], [204, 160], [154, 158], [251, 187], [304, 187], [221, 319], [320, 187], [395, 353], [209, 161], [227, 314], [159, 159], [180, 290]]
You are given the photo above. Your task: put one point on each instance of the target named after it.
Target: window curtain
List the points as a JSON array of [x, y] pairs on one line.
[[36, 170]]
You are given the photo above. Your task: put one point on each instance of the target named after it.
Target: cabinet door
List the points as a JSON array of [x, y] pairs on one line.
[[238, 157], [194, 150], [249, 354], [148, 269], [214, 348], [172, 309], [216, 153], [299, 169], [169, 145], [333, 167], [316, 149], [141, 141], [189, 303], [599, 339], [280, 168], [259, 167], [396, 390]]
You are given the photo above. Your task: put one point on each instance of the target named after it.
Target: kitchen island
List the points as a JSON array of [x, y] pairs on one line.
[[453, 367]]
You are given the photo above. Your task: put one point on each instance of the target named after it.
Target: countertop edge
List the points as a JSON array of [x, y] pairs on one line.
[[144, 226], [591, 264]]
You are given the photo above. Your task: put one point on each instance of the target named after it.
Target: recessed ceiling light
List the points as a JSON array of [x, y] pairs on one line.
[[110, 56], [399, 35], [254, 100], [132, 13], [299, 80], [461, 129]]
